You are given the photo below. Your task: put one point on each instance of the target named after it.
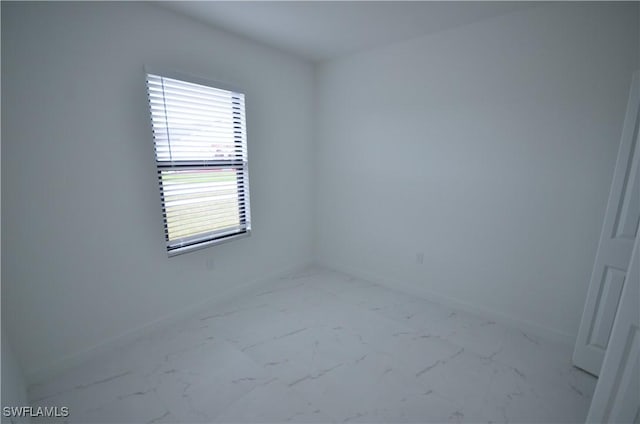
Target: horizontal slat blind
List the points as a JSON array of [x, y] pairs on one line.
[[200, 142]]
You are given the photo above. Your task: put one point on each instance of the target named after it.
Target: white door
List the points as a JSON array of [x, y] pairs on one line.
[[617, 395], [616, 242]]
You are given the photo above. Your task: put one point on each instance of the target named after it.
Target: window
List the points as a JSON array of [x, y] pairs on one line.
[[200, 141]]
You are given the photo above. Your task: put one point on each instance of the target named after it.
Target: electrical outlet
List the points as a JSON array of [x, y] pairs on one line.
[[420, 258]]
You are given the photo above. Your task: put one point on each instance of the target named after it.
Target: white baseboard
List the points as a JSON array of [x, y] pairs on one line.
[[56, 368], [479, 310]]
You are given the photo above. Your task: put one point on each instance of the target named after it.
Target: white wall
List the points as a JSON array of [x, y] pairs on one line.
[[13, 390], [489, 148], [83, 246]]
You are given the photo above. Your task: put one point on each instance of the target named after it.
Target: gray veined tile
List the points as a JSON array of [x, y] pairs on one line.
[[417, 313], [272, 402], [91, 395], [547, 363], [106, 367], [467, 380], [198, 384], [425, 407], [365, 325], [416, 352], [307, 354], [246, 327], [565, 400], [137, 407], [325, 347], [482, 336], [369, 388]]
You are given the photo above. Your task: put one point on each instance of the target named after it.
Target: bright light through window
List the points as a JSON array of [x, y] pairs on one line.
[[201, 154]]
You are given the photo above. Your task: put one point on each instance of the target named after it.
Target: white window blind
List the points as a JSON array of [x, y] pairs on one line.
[[200, 141]]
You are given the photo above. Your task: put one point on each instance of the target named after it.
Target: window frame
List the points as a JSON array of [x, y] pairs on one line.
[[245, 222]]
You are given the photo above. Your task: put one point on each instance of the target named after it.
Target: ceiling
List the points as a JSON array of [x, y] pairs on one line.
[[323, 30]]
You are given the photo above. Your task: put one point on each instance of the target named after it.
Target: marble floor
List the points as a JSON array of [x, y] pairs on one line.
[[321, 346]]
